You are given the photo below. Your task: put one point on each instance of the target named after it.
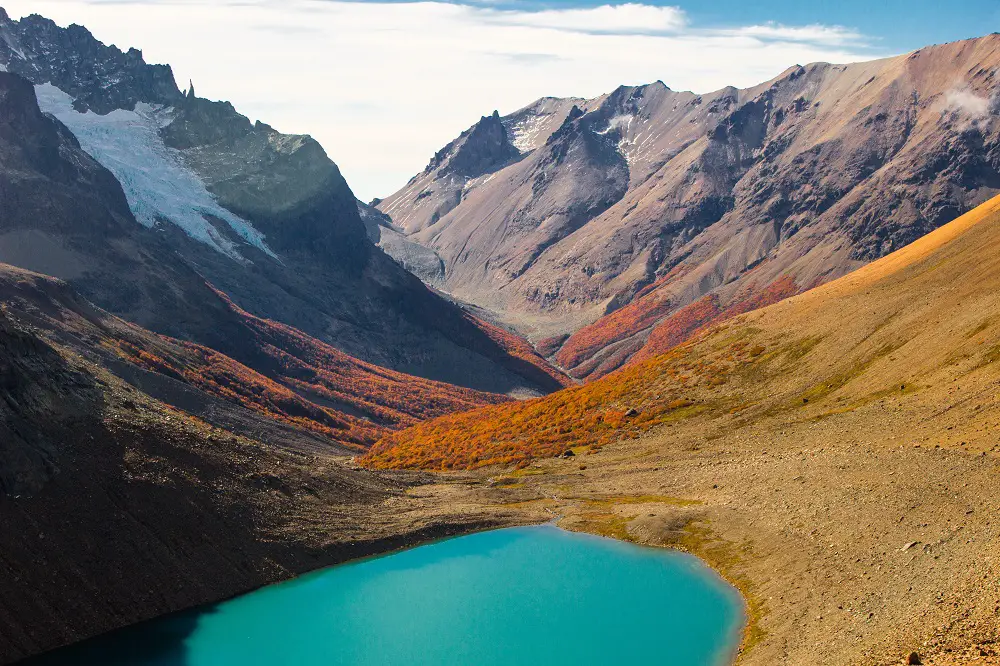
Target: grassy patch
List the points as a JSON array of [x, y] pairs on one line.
[[526, 471], [611, 500], [726, 558], [842, 379]]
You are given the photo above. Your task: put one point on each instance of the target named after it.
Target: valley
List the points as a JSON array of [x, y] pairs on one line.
[[758, 325], [833, 454]]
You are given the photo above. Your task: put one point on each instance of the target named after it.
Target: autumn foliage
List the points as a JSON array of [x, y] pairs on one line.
[[301, 381], [622, 405], [653, 308], [526, 360], [687, 321], [649, 306]]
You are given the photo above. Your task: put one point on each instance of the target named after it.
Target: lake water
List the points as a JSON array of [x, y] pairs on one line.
[[521, 596]]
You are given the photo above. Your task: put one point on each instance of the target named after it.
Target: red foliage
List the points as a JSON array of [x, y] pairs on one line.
[[302, 381], [649, 306], [622, 405], [522, 351], [689, 320], [679, 326], [582, 352], [550, 346]]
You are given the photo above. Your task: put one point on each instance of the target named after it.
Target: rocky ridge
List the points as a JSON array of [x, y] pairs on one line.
[[656, 199]]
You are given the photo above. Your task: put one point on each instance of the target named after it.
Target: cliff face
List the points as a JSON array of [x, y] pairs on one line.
[[656, 199]]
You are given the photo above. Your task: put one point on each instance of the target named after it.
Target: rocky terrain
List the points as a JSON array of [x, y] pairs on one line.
[[834, 455], [588, 224], [180, 412], [203, 194], [129, 491]]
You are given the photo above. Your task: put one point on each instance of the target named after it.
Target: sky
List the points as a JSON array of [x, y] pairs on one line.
[[383, 85]]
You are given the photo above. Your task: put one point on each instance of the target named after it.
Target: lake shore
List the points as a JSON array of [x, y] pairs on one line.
[[847, 551]]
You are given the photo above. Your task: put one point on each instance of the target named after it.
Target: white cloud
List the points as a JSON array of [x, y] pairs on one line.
[[383, 86], [810, 34], [630, 18]]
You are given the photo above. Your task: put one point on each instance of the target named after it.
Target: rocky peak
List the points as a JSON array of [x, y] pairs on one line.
[[483, 148], [100, 78]]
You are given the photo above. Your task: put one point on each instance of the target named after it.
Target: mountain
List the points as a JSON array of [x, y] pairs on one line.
[[605, 226], [896, 322], [142, 475], [834, 455], [205, 196]]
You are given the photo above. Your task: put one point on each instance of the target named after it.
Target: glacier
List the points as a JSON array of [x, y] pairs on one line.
[[158, 185]]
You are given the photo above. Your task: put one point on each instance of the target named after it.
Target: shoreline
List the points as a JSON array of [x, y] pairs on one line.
[[702, 569]]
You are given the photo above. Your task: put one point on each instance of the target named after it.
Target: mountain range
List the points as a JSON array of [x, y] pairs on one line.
[[610, 229], [763, 328], [205, 196]]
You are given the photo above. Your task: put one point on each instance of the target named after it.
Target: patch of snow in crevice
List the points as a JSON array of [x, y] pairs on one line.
[[626, 146], [524, 134], [157, 183]]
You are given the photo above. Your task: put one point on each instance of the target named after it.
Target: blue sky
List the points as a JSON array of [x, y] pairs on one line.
[[897, 25], [385, 84]]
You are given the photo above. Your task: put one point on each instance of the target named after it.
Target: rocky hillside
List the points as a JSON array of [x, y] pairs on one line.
[[633, 219], [206, 195], [142, 475], [915, 322]]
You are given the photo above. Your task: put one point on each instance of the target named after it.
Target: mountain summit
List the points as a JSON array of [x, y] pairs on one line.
[[634, 218]]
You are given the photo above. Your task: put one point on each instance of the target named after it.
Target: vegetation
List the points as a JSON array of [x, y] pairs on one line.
[[649, 306], [528, 362], [652, 306], [623, 405], [689, 320], [302, 382]]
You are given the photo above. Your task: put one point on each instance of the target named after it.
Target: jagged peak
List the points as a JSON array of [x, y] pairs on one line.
[[483, 148]]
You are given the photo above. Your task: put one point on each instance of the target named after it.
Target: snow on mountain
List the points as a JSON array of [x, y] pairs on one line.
[[158, 185]]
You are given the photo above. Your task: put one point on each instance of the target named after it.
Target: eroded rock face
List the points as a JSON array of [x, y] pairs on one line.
[[801, 178], [38, 392]]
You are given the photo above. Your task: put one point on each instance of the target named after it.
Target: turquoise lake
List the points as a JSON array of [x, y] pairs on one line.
[[520, 596]]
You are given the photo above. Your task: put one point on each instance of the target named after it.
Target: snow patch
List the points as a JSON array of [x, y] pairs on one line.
[[622, 121], [626, 146], [157, 183], [524, 133]]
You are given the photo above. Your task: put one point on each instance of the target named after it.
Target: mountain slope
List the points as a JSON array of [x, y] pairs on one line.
[[656, 199], [264, 217], [902, 329], [68, 215], [834, 455], [301, 383], [117, 507]]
